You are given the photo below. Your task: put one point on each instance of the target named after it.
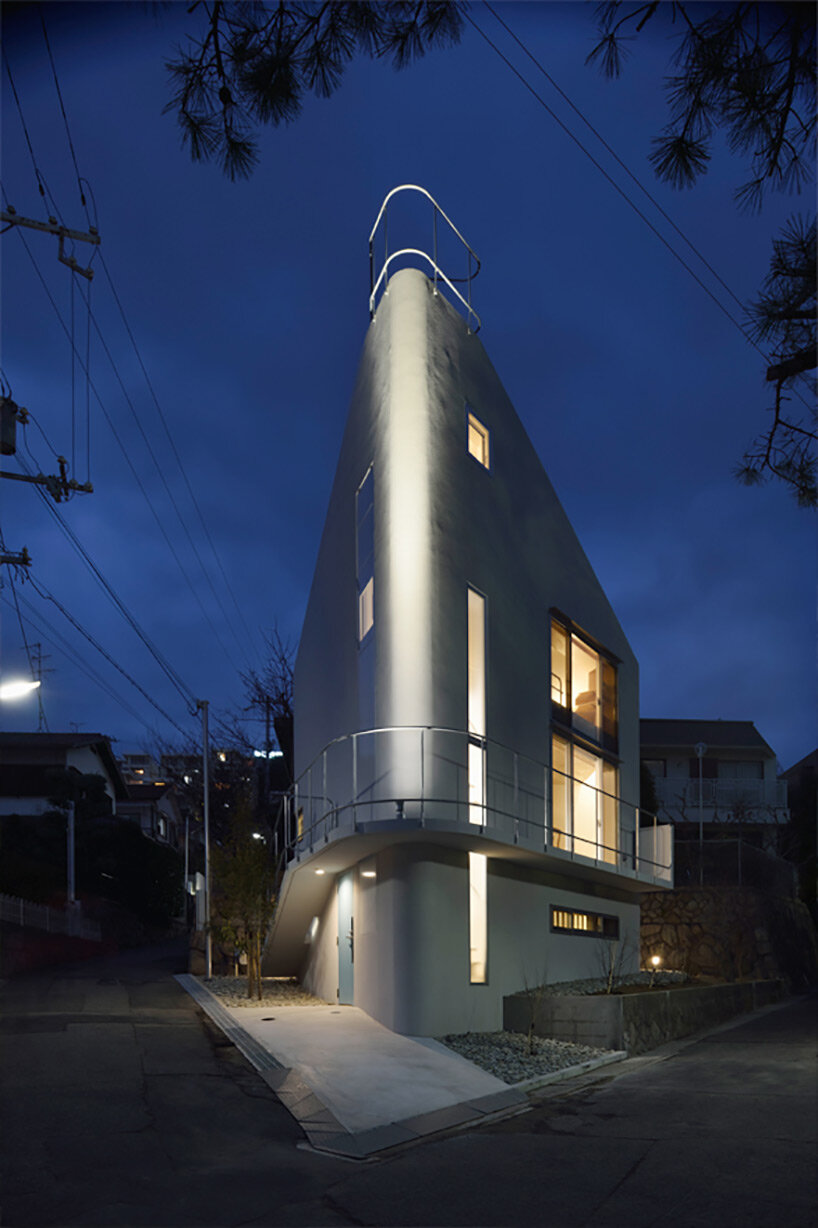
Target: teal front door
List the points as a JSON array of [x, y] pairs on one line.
[[346, 941]]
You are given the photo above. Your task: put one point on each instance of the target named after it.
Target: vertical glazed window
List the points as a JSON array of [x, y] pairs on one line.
[[610, 716], [610, 813], [584, 688], [365, 553], [560, 800], [587, 775], [478, 918], [477, 706], [559, 665], [478, 437]]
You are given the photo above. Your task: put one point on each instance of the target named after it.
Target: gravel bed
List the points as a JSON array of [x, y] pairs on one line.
[[275, 991], [506, 1054], [599, 984]]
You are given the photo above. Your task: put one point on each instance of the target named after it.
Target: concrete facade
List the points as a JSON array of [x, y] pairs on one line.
[[385, 737]]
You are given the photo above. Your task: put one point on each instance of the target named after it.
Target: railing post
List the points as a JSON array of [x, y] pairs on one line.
[[423, 763], [354, 780]]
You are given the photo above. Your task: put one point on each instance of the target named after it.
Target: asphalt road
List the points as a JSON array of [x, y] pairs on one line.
[[121, 1104]]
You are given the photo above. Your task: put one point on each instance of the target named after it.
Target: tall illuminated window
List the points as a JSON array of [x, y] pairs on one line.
[[478, 436], [583, 686], [478, 918], [584, 802], [477, 706]]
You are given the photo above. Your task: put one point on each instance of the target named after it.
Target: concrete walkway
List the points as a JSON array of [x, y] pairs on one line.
[[353, 1086]]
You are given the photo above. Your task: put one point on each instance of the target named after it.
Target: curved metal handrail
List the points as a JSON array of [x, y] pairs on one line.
[[414, 251], [415, 187], [449, 279]]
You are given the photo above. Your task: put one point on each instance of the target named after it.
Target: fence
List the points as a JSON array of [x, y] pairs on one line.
[[52, 920], [732, 863]]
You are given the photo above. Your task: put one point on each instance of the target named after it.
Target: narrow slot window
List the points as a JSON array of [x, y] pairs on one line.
[[365, 554], [478, 918], [478, 437], [366, 608], [476, 706]]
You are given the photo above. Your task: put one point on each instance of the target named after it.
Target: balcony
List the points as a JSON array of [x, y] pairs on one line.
[[754, 801], [457, 788]]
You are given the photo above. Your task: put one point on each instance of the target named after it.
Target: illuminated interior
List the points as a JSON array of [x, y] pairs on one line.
[[478, 441], [585, 816], [570, 921], [478, 918], [559, 665], [560, 815], [477, 705], [583, 684]]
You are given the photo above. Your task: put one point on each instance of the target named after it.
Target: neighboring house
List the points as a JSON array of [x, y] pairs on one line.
[[155, 808], [465, 815], [29, 761], [139, 768], [721, 774]]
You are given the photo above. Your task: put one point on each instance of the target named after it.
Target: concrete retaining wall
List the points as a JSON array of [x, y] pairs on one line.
[[637, 1022]]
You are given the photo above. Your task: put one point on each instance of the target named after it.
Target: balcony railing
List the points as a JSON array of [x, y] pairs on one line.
[[418, 776], [723, 794]]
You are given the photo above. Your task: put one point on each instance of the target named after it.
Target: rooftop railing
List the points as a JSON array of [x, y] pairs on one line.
[[418, 776], [379, 284]]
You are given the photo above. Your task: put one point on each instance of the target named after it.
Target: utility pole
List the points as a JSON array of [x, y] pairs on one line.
[[701, 750], [37, 664], [202, 706]]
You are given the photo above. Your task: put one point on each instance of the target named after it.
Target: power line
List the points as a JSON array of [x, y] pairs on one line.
[[613, 153], [178, 458], [164, 664], [122, 448], [43, 592], [168, 491], [41, 183], [65, 117], [725, 311], [58, 641]]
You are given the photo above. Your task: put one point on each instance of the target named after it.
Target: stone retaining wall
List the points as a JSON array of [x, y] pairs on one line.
[[637, 1022], [730, 933]]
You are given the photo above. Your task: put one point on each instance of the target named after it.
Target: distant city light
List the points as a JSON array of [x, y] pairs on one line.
[[273, 754]]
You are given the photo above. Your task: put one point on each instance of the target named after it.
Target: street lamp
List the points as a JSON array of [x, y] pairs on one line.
[[17, 689]]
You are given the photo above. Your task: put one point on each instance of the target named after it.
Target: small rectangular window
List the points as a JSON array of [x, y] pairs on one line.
[[478, 441], [366, 608], [572, 921]]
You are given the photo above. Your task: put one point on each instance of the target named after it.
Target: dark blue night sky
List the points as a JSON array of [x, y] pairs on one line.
[[248, 303]]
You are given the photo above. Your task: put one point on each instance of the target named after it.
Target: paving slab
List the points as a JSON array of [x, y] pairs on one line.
[[354, 1086]]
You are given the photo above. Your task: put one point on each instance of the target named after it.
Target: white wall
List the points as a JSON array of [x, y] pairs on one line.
[[412, 940]]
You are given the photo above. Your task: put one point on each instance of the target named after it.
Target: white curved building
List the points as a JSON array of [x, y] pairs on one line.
[[465, 820]]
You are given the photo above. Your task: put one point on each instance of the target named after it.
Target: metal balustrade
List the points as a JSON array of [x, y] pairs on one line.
[[417, 776], [723, 793]]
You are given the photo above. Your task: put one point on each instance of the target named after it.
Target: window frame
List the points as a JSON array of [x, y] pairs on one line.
[[483, 458], [609, 923], [606, 735]]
